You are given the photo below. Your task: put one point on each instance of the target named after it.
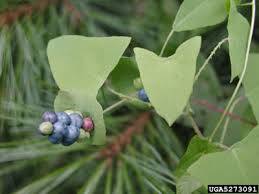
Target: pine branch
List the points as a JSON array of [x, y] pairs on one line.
[[123, 139], [73, 10], [8, 17]]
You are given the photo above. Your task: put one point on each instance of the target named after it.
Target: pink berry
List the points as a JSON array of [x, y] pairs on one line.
[[88, 124]]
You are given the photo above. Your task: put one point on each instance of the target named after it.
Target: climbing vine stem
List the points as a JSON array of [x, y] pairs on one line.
[[166, 42], [225, 128], [209, 58], [242, 74], [194, 125], [114, 106]]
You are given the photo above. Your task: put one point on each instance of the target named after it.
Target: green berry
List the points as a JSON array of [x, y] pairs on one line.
[[83, 135], [78, 112], [69, 111], [138, 83], [46, 128]]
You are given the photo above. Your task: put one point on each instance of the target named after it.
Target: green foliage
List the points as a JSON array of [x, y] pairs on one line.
[[156, 72], [196, 149], [239, 162], [199, 13], [94, 77], [251, 83], [238, 32], [236, 130], [187, 184], [122, 77], [82, 64]]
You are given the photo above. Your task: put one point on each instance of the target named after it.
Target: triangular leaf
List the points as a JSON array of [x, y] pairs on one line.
[[199, 13], [82, 64], [238, 32], [238, 165], [169, 81]]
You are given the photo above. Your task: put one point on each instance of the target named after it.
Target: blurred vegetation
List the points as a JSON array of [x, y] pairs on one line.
[[30, 164]]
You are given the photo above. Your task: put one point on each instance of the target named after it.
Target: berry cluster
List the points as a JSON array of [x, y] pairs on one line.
[[66, 127]]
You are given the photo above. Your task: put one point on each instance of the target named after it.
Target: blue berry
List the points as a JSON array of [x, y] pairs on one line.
[[59, 127], [55, 138], [46, 128], [71, 135], [59, 131], [49, 117], [76, 120], [64, 118], [142, 95]]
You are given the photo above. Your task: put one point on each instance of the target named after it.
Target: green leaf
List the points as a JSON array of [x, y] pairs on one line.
[[197, 148], [236, 130], [199, 13], [123, 75], [228, 4], [238, 32], [64, 101], [187, 184], [80, 66], [122, 81], [253, 97], [251, 81], [238, 165], [169, 81]]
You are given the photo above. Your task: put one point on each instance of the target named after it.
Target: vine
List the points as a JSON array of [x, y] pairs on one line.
[[242, 75]]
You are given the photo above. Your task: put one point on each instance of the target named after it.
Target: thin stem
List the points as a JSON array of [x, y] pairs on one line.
[[209, 58], [222, 146], [194, 125], [246, 4], [225, 128], [114, 106], [166, 42], [127, 98], [242, 75]]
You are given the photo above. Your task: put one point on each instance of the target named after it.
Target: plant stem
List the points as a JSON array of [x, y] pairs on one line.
[[194, 125], [114, 106], [242, 75], [246, 4], [225, 128], [126, 97], [209, 58], [222, 146], [166, 42]]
